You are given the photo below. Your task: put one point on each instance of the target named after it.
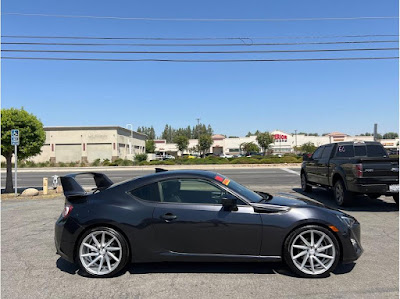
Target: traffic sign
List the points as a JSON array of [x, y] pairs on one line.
[[15, 137]]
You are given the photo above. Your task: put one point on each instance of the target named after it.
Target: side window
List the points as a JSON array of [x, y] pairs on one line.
[[345, 151], [318, 152], [147, 192], [327, 151], [191, 191]]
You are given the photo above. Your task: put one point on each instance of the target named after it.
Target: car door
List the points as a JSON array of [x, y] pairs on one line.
[[190, 219], [322, 165], [312, 165]]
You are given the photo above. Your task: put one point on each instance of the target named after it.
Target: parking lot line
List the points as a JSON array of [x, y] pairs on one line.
[[290, 171]]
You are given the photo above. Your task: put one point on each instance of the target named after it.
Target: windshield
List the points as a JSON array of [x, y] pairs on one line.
[[242, 190]]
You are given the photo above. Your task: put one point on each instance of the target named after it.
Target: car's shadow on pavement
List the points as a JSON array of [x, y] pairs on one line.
[[359, 203], [201, 268]]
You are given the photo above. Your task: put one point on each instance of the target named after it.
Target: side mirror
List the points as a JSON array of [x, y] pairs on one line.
[[229, 202]]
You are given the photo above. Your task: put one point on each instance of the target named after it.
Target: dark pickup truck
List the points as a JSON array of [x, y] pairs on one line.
[[352, 168]]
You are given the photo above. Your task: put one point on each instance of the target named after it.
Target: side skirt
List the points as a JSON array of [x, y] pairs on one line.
[[205, 257]]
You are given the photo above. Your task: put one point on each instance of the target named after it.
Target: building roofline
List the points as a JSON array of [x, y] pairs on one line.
[[71, 128]]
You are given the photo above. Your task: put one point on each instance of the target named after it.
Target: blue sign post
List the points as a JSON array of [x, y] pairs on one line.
[[15, 142]]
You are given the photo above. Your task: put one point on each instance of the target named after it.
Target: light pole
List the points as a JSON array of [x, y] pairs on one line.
[[295, 137], [198, 134], [130, 141]]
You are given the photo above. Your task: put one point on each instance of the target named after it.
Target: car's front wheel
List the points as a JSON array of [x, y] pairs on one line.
[[311, 251], [102, 252]]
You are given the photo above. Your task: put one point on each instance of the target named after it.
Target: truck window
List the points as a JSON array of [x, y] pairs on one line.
[[327, 151], [318, 152], [360, 150], [345, 151], [375, 150]]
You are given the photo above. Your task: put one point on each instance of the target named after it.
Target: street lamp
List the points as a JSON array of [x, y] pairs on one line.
[[130, 141]]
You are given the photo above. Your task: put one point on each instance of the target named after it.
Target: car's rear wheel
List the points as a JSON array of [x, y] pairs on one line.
[[396, 198], [341, 194], [311, 251], [102, 252], [304, 183]]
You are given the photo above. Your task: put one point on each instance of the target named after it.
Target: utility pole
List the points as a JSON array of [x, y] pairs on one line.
[[198, 134]]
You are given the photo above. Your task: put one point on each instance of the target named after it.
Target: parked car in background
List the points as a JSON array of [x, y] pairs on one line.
[[198, 216], [351, 168], [226, 156]]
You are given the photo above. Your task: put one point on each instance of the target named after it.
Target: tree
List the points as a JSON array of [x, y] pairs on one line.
[[249, 147], [205, 142], [182, 142], [150, 146], [390, 135], [308, 148], [264, 140], [32, 137]]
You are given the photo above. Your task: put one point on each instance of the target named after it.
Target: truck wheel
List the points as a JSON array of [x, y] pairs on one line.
[[342, 195], [304, 186], [396, 198]]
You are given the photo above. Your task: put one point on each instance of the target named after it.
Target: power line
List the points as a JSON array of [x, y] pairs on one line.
[[197, 52], [199, 45], [201, 60], [193, 38], [201, 19]]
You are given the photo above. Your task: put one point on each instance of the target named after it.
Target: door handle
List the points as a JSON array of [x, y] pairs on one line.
[[168, 216]]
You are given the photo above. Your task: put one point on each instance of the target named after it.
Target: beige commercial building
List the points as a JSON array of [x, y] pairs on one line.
[[86, 144], [283, 143]]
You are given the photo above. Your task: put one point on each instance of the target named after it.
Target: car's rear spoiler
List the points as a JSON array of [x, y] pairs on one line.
[[72, 189]]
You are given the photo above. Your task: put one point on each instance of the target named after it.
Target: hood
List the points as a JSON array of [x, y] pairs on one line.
[[293, 201]]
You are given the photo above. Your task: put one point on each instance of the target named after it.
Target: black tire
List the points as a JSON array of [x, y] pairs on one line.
[[374, 195], [287, 254], [122, 256], [396, 198], [305, 187], [342, 196]]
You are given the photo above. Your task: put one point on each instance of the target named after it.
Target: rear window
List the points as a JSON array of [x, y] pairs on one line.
[[370, 150], [376, 150]]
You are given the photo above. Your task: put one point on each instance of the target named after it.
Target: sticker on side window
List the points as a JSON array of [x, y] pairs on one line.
[[341, 149]]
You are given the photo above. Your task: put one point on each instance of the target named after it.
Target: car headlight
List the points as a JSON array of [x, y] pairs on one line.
[[349, 221]]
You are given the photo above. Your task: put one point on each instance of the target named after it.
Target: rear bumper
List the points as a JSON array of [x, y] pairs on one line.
[[66, 233], [378, 188]]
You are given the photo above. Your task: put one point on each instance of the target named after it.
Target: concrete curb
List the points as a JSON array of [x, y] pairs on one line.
[[152, 167]]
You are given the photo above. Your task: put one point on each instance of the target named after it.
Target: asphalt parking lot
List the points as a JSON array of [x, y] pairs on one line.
[[31, 268]]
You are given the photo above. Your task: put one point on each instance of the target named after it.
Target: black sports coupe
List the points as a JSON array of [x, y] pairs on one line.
[[198, 216]]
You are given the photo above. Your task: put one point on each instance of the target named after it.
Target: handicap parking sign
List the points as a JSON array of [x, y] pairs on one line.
[[15, 137]]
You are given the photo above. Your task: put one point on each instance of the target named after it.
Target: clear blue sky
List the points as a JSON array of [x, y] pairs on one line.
[[347, 96]]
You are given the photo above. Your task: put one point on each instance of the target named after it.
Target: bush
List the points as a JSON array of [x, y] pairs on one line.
[[62, 164], [106, 162], [140, 158], [96, 162]]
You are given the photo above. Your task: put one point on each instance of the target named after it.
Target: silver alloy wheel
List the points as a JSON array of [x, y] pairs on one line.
[[100, 252], [339, 193], [313, 252]]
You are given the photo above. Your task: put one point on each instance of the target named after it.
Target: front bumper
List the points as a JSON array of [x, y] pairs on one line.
[[351, 244], [66, 232]]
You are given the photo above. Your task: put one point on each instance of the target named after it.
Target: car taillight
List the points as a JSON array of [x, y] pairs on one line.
[[67, 210], [358, 170]]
